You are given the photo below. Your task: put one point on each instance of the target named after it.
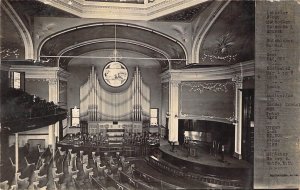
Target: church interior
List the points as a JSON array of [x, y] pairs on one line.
[[127, 94]]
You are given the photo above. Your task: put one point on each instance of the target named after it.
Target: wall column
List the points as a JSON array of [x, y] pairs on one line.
[[173, 111], [238, 117], [53, 96], [17, 158]]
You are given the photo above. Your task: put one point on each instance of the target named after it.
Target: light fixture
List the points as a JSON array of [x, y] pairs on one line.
[[115, 54]]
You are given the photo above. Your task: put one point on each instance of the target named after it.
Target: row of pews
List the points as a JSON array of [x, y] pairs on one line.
[[30, 175], [92, 171], [67, 169], [169, 169]]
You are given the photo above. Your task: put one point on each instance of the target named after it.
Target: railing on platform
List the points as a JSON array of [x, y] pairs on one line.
[[133, 182], [154, 181], [163, 167]]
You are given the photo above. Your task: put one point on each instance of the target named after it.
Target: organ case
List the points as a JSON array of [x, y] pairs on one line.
[[98, 105]]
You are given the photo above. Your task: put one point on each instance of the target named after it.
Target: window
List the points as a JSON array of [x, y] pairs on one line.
[[75, 117], [154, 116], [17, 80]]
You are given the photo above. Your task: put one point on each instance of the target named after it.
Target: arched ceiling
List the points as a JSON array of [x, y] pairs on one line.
[[82, 39], [228, 40]]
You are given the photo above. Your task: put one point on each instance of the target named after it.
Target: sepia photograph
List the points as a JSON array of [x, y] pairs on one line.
[[150, 94]]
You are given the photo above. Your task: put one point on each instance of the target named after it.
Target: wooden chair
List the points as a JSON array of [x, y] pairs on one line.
[[22, 183], [86, 170], [55, 174]]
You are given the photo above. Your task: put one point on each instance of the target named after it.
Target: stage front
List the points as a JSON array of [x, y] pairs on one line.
[[205, 163]]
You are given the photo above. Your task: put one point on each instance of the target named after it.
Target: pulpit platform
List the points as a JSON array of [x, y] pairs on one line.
[[205, 163]]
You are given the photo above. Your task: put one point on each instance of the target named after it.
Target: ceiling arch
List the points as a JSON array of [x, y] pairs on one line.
[[67, 54], [153, 43]]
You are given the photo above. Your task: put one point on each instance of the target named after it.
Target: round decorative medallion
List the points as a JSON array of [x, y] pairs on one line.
[[115, 74]]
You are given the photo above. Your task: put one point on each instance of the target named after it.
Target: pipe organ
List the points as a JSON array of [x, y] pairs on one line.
[[97, 104]]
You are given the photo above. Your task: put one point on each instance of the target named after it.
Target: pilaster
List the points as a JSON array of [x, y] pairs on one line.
[[238, 116], [173, 110]]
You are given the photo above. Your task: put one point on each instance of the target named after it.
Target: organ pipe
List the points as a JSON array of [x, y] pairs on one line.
[[97, 104]]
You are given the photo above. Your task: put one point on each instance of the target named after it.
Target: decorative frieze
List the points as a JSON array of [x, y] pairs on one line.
[[211, 86]]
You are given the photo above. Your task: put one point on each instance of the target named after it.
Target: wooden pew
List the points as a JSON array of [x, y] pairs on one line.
[[111, 182], [97, 183]]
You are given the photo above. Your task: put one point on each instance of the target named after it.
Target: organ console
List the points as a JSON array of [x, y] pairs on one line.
[[101, 108]]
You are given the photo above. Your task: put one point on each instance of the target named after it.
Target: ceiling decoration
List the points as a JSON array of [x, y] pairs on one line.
[[231, 38], [12, 46], [185, 15], [222, 51]]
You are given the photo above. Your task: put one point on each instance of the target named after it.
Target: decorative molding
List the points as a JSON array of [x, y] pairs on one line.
[[52, 82], [238, 80], [28, 44], [36, 79], [244, 69], [206, 117], [174, 83], [40, 72], [211, 86], [9, 53], [37, 72]]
